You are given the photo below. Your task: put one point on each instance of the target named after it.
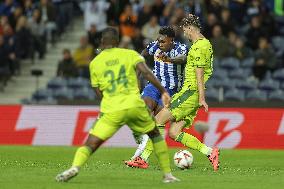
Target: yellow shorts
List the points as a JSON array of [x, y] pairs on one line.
[[184, 106], [138, 120]]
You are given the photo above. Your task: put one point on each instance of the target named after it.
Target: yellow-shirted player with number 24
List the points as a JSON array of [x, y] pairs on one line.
[[113, 76]]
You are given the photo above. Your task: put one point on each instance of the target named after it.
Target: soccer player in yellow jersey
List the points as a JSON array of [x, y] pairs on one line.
[[113, 75], [185, 104]]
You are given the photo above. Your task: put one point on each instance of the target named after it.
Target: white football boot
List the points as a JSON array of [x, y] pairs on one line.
[[169, 178], [67, 175]]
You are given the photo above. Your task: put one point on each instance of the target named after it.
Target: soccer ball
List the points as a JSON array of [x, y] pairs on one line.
[[183, 159]]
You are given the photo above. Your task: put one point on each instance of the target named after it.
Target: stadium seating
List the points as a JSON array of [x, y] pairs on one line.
[[247, 63], [230, 63], [57, 83], [42, 94], [225, 84], [77, 83], [277, 42], [212, 95], [220, 73], [282, 86], [63, 94], [239, 73], [234, 95], [277, 95], [247, 84], [256, 95], [83, 94], [279, 74], [269, 85]]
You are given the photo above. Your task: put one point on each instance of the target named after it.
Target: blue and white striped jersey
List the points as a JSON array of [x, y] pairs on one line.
[[170, 75]]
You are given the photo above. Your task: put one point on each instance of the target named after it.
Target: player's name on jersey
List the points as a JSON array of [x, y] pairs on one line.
[[112, 62]]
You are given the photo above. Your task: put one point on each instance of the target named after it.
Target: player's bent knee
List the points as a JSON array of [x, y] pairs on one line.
[[93, 142]]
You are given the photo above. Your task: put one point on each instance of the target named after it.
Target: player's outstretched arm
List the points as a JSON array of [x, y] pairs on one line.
[[147, 73], [200, 86], [176, 60], [179, 60]]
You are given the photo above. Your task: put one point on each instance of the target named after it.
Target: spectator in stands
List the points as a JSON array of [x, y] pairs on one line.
[[253, 9], [48, 17], [138, 41], [126, 43], [95, 13], [128, 22], [232, 37], [10, 48], [23, 39], [227, 23], [214, 6], [37, 29], [13, 18], [64, 16], [238, 11], [151, 29], [144, 15], [193, 7], [113, 13], [29, 8], [165, 18], [66, 67], [7, 7], [94, 36], [240, 51], [219, 42], [158, 8], [255, 32], [209, 24], [3, 22], [82, 57], [264, 59], [4, 62], [269, 23]]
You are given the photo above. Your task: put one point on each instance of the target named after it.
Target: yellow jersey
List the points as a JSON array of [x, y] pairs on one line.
[[113, 71], [200, 55]]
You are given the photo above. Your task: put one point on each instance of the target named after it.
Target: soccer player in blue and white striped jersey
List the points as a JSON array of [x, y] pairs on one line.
[[169, 62]]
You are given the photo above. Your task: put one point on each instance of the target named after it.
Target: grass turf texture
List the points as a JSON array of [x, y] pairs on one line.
[[36, 168]]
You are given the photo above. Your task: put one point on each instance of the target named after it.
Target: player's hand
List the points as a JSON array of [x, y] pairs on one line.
[[166, 99], [204, 104], [164, 57]]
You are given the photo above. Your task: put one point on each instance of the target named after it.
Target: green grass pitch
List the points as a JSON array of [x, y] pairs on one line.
[[35, 168]]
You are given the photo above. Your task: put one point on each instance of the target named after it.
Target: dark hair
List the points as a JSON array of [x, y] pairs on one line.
[[110, 34], [191, 20], [168, 31], [66, 51]]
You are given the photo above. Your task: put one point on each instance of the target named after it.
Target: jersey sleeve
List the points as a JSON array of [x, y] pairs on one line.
[[137, 58], [93, 76], [152, 47], [182, 50], [198, 57]]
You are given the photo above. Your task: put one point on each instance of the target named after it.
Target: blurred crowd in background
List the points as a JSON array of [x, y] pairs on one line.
[[26, 28], [239, 30]]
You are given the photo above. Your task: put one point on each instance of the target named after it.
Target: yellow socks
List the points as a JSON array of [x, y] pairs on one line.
[[82, 155], [161, 151], [193, 143], [149, 145]]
